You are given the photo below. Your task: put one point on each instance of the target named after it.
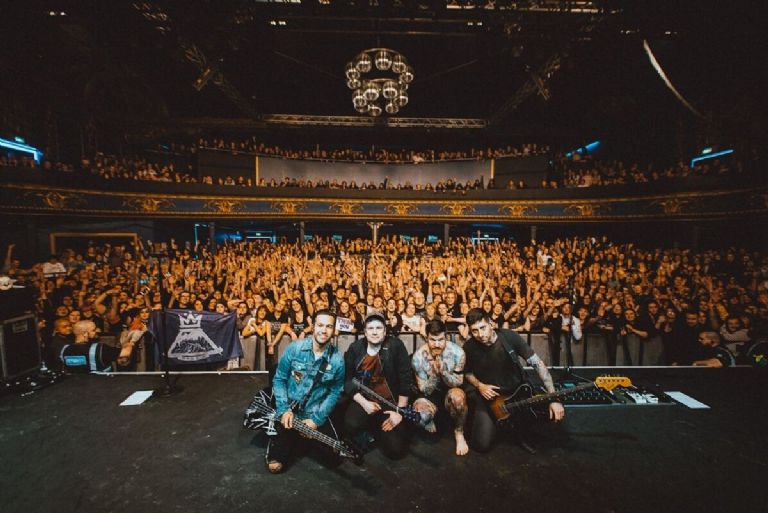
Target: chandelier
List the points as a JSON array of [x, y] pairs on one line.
[[391, 86]]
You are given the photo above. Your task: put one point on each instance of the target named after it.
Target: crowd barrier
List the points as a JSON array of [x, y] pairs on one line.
[[595, 350]]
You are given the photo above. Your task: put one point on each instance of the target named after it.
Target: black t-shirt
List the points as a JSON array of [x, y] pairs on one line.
[[723, 354], [277, 320], [81, 357], [492, 364], [298, 326]]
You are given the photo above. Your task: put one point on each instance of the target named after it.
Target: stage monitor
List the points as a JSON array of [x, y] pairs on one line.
[[19, 347]]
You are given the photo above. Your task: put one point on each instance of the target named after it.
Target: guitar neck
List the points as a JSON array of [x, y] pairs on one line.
[[314, 434], [373, 395], [553, 395], [303, 429]]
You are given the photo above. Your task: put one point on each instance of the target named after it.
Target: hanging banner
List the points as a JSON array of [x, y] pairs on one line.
[[196, 337]]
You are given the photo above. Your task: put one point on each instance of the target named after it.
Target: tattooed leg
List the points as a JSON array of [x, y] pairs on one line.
[[456, 404]]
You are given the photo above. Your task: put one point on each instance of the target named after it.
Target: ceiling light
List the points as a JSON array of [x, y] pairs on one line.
[[388, 89]]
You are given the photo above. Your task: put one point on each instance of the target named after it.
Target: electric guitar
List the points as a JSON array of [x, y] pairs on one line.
[[523, 400], [261, 414], [408, 413]]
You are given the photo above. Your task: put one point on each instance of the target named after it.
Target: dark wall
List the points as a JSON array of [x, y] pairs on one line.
[[531, 170]]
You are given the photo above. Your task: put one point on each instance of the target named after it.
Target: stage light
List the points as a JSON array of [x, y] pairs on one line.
[[710, 156], [203, 79], [589, 148], [24, 148]]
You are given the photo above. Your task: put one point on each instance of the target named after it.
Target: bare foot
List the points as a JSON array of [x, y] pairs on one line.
[[461, 444], [274, 467]]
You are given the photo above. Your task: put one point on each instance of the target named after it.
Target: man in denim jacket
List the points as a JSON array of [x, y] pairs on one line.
[[295, 378]]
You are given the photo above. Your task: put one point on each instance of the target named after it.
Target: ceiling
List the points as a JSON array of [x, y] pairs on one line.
[[129, 65]]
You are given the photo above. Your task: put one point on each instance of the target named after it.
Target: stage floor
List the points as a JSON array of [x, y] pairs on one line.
[[71, 447]]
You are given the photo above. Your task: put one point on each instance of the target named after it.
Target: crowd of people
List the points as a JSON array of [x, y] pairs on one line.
[[383, 155], [178, 166], [594, 173], [567, 287], [447, 185]]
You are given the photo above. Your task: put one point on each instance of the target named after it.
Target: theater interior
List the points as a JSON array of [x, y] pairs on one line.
[[185, 185]]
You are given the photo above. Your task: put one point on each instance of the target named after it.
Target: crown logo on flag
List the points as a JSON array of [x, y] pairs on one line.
[[190, 321]]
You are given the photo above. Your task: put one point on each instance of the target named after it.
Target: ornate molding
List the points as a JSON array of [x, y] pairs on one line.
[[587, 209], [33, 199], [517, 210], [401, 209], [288, 207], [148, 204], [58, 200], [224, 206], [346, 208], [671, 206], [457, 209]]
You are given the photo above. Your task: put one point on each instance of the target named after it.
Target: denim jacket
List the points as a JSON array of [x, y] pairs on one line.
[[295, 375]]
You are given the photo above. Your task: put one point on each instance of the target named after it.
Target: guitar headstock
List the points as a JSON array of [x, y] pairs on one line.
[[348, 449], [610, 382], [411, 415]]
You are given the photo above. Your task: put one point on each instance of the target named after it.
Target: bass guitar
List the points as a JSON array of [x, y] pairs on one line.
[[408, 413], [523, 400], [261, 415]]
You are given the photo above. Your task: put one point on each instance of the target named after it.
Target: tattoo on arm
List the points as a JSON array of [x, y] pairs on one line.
[[541, 370], [455, 377]]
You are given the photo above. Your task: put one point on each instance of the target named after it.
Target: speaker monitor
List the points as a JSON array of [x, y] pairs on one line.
[[19, 347]]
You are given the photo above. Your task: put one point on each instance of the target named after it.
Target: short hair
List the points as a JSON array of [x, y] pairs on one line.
[[58, 323], [476, 315], [82, 327], [434, 327], [710, 336], [323, 311]]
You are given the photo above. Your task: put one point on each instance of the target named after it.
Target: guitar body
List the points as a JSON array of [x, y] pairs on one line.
[[422, 419], [504, 408], [523, 400], [261, 415]]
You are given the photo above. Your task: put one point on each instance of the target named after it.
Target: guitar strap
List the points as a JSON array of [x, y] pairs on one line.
[[297, 406], [507, 343]]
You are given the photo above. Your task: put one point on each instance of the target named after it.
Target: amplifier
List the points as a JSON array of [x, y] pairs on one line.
[[16, 302], [19, 347]]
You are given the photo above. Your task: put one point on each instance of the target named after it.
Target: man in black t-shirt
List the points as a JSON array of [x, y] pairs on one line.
[[491, 372], [712, 352]]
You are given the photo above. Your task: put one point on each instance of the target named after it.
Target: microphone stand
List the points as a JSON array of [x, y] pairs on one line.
[[167, 389]]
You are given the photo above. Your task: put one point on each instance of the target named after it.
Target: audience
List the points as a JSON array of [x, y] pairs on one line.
[[402, 156], [592, 173], [571, 172], [613, 289]]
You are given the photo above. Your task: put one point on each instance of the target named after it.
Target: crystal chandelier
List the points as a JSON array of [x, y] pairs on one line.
[[392, 86]]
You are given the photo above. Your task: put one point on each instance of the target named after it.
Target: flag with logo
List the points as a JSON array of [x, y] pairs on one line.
[[196, 337]]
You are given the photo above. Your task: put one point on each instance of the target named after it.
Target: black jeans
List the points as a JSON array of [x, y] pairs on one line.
[[288, 443], [392, 443], [482, 425]]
